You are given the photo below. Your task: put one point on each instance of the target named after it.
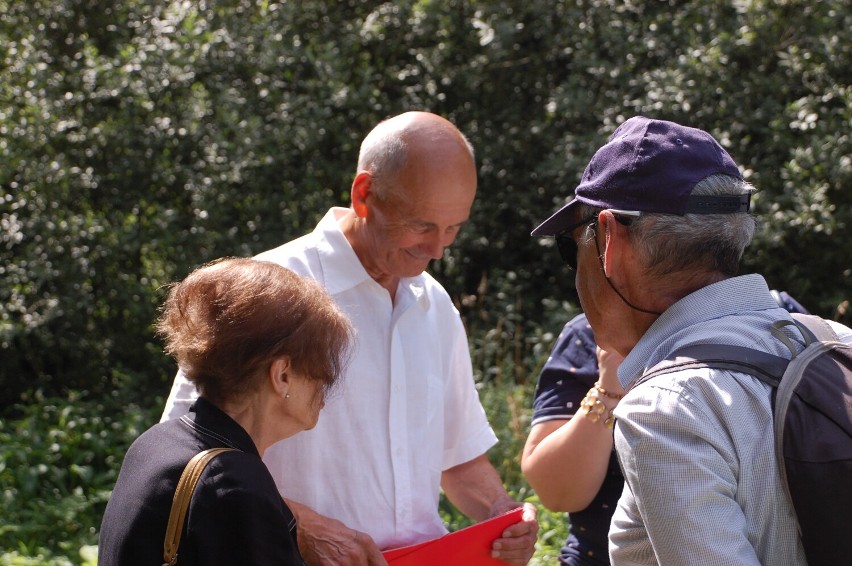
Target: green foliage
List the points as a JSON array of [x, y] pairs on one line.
[[141, 139], [59, 459]]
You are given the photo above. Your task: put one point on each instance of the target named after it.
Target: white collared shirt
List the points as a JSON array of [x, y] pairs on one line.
[[407, 408]]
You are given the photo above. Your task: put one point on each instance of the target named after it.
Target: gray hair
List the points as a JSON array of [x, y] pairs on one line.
[[669, 243], [383, 153]]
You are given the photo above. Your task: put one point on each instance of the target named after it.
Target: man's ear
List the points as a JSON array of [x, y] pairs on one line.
[[361, 189], [615, 241]]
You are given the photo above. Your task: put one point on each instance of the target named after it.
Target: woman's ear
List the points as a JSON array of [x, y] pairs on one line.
[[361, 189], [279, 375]]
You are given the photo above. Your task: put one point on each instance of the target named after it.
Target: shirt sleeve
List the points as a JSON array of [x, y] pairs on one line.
[[467, 433], [844, 333], [680, 468], [568, 374]]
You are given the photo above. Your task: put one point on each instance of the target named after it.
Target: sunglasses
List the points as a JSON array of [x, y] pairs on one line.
[[566, 244]]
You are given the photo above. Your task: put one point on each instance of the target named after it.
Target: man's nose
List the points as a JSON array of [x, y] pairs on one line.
[[434, 245]]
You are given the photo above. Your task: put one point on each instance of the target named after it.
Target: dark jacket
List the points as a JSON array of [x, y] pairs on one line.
[[236, 515]]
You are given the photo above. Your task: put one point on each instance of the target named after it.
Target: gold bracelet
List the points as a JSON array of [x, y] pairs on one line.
[[606, 393], [595, 410]]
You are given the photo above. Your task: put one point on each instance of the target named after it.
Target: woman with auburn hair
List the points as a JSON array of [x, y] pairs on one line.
[[264, 347]]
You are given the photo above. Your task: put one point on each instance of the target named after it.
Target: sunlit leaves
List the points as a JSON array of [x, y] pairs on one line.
[[141, 139]]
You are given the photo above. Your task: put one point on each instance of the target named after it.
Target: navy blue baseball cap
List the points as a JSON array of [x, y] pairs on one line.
[[651, 166]]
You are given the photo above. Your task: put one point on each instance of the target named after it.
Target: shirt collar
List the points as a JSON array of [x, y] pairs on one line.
[[725, 298], [343, 270], [208, 419]]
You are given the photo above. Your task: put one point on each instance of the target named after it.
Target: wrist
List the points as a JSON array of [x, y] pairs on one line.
[[598, 406], [503, 505], [608, 392]]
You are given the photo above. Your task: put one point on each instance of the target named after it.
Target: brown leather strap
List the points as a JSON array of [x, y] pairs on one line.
[[180, 503]]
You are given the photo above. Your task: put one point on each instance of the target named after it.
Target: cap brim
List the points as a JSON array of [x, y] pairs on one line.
[[558, 222]]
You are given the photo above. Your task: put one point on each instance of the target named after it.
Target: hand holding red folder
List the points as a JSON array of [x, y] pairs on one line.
[[467, 547]]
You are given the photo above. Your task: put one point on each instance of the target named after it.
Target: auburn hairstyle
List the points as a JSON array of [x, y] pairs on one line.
[[228, 320]]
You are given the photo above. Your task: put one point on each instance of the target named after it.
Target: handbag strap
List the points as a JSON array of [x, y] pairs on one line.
[[180, 503]]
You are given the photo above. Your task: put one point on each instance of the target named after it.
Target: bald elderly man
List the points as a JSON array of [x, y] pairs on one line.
[[407, 421]]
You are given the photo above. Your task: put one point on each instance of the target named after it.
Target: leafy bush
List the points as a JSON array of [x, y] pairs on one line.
[[59, 459], [142, 139]]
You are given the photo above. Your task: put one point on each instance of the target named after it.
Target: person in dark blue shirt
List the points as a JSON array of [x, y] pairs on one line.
[[569, 458]]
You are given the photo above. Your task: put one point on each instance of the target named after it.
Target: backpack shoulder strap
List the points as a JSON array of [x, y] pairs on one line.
[[817, 325], [180, 504], [769, 368], [766, 367]]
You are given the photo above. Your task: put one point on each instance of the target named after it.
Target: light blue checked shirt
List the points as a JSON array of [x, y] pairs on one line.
[[696, 446]]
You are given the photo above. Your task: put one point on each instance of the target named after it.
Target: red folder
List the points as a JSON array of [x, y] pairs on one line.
[[468, 547]]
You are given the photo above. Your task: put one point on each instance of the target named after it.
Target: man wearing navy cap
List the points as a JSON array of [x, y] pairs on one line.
[[655, 232]]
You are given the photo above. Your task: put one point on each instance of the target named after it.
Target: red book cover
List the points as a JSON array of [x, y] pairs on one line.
[[470, 546]]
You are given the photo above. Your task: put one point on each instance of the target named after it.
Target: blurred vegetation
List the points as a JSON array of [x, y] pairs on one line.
[[58, 462], [140, 139]]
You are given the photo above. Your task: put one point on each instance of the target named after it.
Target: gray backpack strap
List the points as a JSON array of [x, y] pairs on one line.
[[783, 399], [817, 326], [766, 367]]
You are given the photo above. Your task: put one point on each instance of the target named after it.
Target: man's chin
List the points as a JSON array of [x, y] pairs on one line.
[[418, 271], [414, 267]]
